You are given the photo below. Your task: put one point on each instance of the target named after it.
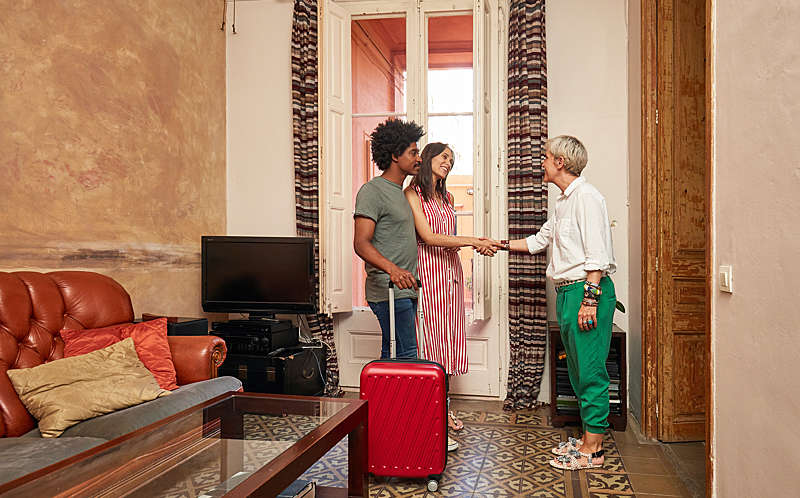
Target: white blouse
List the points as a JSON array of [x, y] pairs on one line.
[[580, 232]]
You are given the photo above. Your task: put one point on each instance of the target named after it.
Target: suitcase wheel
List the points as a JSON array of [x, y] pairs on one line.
[[433, 485]]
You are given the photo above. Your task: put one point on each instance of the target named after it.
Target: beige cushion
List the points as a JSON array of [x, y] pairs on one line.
[[61, 393]]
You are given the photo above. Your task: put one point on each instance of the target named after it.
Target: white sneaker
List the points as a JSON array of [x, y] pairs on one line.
[[452, 444]]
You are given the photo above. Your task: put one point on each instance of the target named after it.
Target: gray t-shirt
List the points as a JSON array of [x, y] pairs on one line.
[[395, 238]]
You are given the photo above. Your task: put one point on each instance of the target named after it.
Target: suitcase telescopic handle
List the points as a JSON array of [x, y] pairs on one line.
[[391, 284], [392, 339]]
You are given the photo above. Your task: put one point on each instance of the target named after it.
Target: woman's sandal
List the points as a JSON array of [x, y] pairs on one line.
[[570, 444], [453, 422], [452, 444], [574, 460]]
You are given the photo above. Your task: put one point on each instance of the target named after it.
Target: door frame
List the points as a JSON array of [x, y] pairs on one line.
[[649, 95]]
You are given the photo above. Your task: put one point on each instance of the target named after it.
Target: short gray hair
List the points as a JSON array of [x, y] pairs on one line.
[[571, 149]]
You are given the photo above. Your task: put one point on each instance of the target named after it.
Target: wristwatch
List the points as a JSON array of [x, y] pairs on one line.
[[505, 245]]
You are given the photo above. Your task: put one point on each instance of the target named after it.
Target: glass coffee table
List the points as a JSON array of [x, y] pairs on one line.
[[237, 444]]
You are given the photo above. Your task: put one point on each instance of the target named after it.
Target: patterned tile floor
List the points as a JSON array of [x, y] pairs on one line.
[[500, 454]]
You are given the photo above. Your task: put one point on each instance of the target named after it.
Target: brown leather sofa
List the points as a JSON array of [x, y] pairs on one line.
[[33, 308]]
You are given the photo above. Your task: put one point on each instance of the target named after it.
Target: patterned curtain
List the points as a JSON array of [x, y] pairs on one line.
[[527, 199], [305, 119]]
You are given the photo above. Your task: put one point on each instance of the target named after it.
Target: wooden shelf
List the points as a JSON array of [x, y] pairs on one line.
[[558, 418]]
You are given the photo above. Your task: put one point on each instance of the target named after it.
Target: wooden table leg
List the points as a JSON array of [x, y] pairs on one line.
[[357, 461]]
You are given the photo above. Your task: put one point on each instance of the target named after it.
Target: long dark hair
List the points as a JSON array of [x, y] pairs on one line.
[[424, 179]]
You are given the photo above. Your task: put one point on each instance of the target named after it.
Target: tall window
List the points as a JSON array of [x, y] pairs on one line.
[[418, 64]]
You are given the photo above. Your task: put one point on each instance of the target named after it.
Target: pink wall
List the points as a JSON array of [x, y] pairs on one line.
[[112, 147], [756, 206]]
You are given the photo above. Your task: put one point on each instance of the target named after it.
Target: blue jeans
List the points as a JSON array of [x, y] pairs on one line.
[[405, 328]]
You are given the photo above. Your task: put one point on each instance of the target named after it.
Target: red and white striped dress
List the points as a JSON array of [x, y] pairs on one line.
[[442, 292]]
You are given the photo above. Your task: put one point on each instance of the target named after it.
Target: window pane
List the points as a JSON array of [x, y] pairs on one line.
[[450, 90], [378, 62], [455, 131], [450, 63]]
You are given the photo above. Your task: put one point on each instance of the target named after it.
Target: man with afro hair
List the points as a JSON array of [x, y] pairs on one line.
[[384, 235]]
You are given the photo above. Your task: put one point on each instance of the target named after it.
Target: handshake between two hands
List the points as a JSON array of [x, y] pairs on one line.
[[488, 247], [403, 279]]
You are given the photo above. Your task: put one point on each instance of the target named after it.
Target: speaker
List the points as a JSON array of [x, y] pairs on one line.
[[303, 369], [296, 370]]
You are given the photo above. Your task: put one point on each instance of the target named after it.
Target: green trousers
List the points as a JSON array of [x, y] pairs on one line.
[[587, 351]]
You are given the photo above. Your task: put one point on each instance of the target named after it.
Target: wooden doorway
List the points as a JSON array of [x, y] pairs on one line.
[[676, 219]]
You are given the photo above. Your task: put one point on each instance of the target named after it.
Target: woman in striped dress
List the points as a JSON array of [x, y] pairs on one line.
[[438, 265]]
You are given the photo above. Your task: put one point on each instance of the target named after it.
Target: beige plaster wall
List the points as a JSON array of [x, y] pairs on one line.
[[756, 205], [112, 141], [260, 154], [587, 89]]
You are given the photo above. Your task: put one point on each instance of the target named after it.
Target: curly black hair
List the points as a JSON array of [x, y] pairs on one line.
[[392, 138]]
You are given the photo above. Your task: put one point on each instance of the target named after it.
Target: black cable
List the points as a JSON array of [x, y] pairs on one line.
[[302, 319], [321, 373]]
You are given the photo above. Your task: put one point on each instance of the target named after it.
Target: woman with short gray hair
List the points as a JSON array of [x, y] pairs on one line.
[[581, 261], [571, 150]]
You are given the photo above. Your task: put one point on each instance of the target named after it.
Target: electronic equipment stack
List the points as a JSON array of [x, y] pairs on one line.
[[258, 337], [267, 357]]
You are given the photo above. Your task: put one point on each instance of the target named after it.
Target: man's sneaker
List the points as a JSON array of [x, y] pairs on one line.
[[452, 444]]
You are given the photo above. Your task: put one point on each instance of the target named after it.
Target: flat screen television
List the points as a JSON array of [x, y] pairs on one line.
[[258, 275]]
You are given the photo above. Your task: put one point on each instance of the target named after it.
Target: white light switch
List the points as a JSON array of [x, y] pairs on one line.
[[726, 278]]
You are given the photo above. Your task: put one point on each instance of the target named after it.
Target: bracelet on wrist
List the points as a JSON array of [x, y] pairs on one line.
[[505, 245], [591, 289]]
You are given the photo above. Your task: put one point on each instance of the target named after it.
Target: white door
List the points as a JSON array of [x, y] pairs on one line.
[[335, 176]]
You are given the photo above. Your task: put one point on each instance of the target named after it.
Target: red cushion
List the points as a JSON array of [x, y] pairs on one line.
[[149, 339]]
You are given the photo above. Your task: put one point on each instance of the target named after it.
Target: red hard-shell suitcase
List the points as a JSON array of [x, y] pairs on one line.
[[407, 415]]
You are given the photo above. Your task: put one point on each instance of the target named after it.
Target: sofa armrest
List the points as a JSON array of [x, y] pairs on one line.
[[196, 358]]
